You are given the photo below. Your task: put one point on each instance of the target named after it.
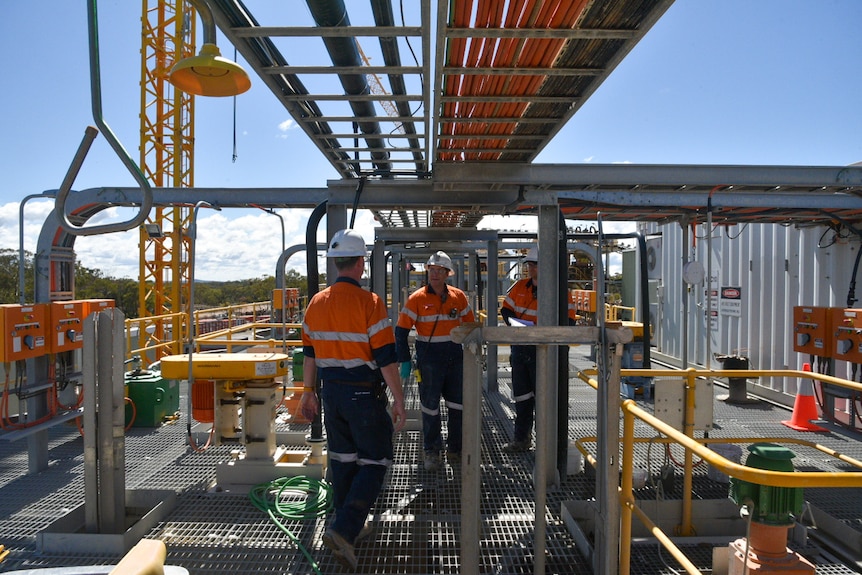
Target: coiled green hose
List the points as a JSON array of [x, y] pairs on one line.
[[296, 499]]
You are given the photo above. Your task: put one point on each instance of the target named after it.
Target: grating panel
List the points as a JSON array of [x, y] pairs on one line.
[[417, 516]]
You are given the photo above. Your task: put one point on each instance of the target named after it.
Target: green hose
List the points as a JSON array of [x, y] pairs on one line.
[[293, 498]]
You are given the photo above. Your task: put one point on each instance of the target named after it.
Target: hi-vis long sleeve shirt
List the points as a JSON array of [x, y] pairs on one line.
[[348, 333], [521, 303], [435, 316]]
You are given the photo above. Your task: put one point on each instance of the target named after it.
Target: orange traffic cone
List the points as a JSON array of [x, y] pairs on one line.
[[804, 408]]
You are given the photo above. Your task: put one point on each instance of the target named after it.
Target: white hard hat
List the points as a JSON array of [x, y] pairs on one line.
[[441, 259], [345, 244], [532, 255]]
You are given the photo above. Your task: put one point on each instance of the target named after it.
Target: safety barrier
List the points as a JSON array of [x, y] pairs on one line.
[[698, 447]]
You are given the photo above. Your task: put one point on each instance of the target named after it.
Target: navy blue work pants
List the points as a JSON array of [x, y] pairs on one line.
[[523, 361], [359, 438], [442, 376]]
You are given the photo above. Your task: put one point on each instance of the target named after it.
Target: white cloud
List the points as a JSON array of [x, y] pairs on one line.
[[285, 127]]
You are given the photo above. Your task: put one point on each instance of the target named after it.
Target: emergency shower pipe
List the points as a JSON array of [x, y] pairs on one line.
[[90, 135]]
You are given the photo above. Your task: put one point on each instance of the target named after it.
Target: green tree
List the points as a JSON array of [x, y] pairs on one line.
[[9, 276], [93, 284]]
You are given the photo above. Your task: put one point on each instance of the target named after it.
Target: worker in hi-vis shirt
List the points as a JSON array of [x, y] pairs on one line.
[[521, 307], [349, 344], [435, 309]]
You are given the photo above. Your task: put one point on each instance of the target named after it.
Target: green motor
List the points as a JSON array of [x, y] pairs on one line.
[[769, 505]]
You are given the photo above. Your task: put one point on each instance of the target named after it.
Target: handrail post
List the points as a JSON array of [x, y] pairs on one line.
[[686, 528], [626, 493]]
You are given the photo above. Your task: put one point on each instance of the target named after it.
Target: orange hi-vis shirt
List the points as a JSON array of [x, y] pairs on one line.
[[348, 332], [521, 302], [434, 317]]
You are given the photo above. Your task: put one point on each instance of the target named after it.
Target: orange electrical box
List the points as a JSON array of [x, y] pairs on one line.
[[585, 300], [290, 299], [66, 326], [23, 331], [847, 334], [812, 330], [94, 305]]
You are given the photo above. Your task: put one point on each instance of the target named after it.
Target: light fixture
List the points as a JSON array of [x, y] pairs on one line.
[[208, 74], [154, 231]]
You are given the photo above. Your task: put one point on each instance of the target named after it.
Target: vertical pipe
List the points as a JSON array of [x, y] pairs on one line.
[[491, 306], [685, 291], [111, 503], [548, 315], [471, 479], [543, 454], [118, 423], [607, 477], [313, 281], [91, 451], [688, 428]]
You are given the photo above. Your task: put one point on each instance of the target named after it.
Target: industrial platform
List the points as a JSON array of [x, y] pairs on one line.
[[417, 517]]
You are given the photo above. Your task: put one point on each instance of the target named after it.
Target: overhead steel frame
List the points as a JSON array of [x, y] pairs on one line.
[[257, 47]]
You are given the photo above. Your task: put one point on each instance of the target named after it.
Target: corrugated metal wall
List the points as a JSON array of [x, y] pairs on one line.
[[774, 268]]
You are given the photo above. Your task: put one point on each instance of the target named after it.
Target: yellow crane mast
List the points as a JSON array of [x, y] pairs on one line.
[[167, 159]]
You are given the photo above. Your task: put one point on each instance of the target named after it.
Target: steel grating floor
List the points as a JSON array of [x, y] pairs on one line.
[[417, 517]]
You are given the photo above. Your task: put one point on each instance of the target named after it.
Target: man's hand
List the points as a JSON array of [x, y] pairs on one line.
[[405, 370], [308, 405], [399, 415]]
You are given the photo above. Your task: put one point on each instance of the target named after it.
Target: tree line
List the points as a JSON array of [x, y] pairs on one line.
[[94, 284]]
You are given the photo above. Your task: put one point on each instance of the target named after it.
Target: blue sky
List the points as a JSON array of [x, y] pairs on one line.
[[730, 82]]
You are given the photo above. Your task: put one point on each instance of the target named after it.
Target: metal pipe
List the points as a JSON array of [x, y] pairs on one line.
[[206, 14], [192, 234], [89, 136], [344, 51], [21, 286], [272, 212], [313, 281]]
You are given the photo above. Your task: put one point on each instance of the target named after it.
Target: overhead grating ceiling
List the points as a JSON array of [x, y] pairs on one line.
[[420, 92]]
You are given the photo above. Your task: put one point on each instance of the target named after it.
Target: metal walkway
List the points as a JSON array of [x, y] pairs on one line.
[[417, 517]]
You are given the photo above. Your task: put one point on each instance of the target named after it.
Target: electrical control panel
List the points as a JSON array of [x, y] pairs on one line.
[[289, 300], [94, 305], [22, 331], [812, 330], [847, 334], [584, 300], [66, 326]]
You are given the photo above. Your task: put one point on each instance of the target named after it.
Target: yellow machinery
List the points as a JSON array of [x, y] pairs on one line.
[[237, 394]]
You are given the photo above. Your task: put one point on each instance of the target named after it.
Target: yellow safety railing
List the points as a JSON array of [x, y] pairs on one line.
[[144, 339], [155, 336], [224, 337], [693, 446]]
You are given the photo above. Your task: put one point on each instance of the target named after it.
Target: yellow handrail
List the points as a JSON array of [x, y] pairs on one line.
[[692, 446]]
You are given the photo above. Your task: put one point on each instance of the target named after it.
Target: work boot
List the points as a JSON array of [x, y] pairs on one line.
[[517, 446], [366, 530], [454, 458], [342, 550], [432, 461]]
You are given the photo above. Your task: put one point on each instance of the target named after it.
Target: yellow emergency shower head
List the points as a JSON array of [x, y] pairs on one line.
[[208, 74]]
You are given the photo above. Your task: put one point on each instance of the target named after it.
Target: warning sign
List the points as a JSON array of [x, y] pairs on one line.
[[730, 302]]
